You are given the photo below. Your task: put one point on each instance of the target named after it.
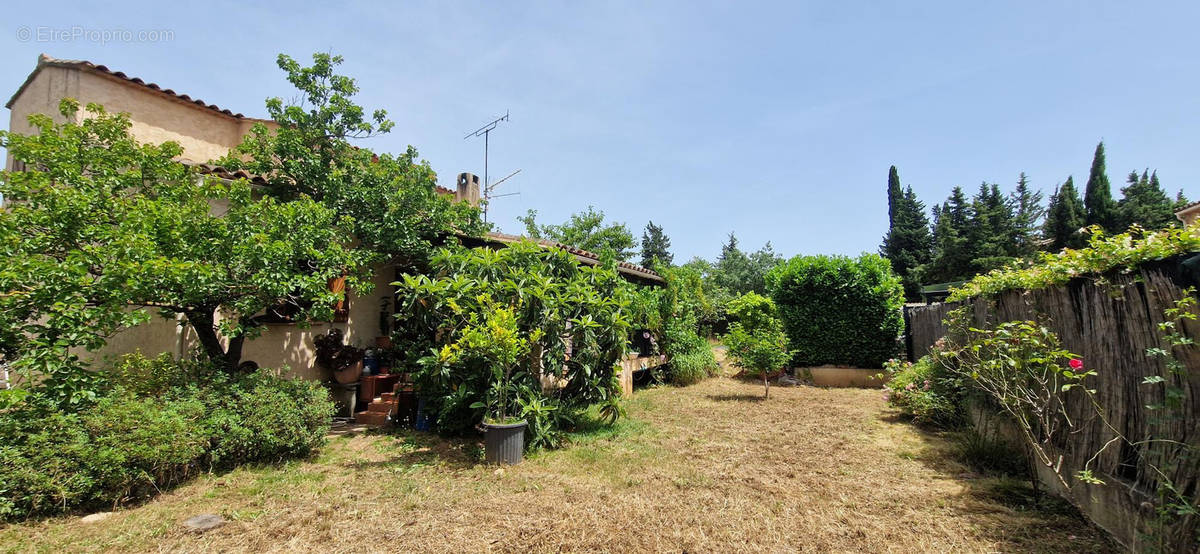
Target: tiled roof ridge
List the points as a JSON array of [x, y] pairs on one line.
[[571, 250], [45, 60]]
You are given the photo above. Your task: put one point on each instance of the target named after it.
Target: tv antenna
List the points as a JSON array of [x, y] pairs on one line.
[[486, 131]]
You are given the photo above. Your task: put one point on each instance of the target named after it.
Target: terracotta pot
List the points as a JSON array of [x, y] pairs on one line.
[[349, 374]]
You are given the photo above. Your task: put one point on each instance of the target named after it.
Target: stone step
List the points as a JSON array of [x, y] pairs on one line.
[[387, 397], [381, 407], [371, 418]]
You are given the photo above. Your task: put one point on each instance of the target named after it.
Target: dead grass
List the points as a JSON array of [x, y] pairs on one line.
[[707, 468]]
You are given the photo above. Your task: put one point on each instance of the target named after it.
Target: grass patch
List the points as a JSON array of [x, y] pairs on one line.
[[808, 469]]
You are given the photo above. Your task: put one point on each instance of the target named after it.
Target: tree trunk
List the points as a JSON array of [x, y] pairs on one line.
[[766, 386], [203, 321]]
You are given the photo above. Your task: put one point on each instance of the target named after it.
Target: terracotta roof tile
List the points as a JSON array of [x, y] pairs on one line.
[[622, 267], [84, 65]]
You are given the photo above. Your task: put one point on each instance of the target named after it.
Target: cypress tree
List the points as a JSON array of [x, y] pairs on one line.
[[656, 246], [908, 243], [1143, 202], [1064, 217], [895, 195], [1097, 196]]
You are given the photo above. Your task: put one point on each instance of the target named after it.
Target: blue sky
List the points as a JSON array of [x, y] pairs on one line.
[[774, 120]]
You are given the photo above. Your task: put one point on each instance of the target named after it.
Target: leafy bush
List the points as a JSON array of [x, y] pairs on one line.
[[128, 446], [926, 391], [756, 340], [689, 357], [1103, 254], [574, 319], [839, 310]]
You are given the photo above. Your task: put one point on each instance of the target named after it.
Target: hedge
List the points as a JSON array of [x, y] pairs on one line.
[[129, 446], [839, 310]]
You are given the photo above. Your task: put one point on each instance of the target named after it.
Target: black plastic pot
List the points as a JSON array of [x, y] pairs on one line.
[[504, 443]]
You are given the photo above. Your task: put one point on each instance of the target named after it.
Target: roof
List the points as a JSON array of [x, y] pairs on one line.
[[84, 65], [1188, 208], [45, 60], [626, 269], [232, 174]]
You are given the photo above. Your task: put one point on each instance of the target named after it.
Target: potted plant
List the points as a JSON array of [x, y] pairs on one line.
[[345, 361], [495, 342]]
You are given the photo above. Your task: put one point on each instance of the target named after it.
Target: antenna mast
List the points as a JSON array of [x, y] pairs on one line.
[[486, 132]]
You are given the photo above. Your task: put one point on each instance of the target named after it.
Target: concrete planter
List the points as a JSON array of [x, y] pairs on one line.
[[832, 376], [504, 443]]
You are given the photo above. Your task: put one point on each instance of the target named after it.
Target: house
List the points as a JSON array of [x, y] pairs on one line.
[[1189, 214], [207, 132]]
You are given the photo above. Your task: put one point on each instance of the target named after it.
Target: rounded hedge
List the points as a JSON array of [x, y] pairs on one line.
[[839, 310]]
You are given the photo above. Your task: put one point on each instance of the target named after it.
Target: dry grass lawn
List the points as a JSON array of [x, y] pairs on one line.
[[707, 468]]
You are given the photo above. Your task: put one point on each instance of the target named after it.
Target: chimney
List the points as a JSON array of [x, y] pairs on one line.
[[468, 189]]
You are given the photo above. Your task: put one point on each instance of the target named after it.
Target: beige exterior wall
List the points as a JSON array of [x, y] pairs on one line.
[[203, 133], [1188, 217], [280, 346]]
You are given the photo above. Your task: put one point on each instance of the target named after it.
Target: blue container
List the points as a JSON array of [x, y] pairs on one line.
[[371, 364], [422, 423]]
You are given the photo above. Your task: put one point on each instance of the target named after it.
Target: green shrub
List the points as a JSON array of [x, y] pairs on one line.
[[926, 391], [689, 357], [839, 310], [142, 376], [47, 463], [147, 443], [263, 418], [555, 303], [127, 446], [756, 340]]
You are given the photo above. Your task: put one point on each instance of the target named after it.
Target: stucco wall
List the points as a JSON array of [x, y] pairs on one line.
[[51, 85], [203, 133], [279, 346]]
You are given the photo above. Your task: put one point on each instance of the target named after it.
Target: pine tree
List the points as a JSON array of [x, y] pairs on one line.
[[1181, 202], [1097, 196], [1064, 218], [908, 243], [1143, 202], [656, 247], [991, 228], [1027, 216], [952, 252]]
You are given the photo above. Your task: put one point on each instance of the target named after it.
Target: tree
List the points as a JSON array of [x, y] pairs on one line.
[[738, 272], [895, 195], [1064, 218], [106, 231], [953, 251], [1097, 196], [585, 230], [390, 201], [656, 247], [908, 243], [992, 230], [1181, 201], [1027, 217], [1143, 202], [756, 340]]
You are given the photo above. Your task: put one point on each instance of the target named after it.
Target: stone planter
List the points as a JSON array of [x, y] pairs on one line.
[[504, 443], [833, 376], [349, 374]]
